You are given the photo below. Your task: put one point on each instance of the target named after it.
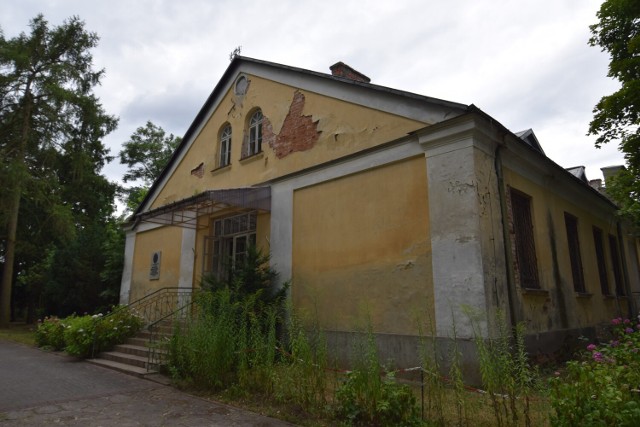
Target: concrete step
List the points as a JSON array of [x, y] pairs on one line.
[[137, 341], [128, 359], [137, 350], [121, 367]]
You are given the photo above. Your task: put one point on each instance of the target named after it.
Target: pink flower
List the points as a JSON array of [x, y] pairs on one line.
[[615, 343], [591, 347], [616, 321], [627, 321], [597, 356]]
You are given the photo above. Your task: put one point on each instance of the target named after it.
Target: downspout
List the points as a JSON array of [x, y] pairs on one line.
[[625, 272], [508, 256]]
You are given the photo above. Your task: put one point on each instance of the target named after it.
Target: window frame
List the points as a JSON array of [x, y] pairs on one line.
[[255, 133], [225, 139], [598, 241], [224, 247], [614, 254], [526, 260], [575, 257]]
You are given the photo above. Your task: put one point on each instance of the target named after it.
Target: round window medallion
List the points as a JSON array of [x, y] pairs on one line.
[[241, 85]]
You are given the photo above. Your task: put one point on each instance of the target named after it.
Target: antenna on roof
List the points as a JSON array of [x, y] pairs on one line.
[[235, 53]]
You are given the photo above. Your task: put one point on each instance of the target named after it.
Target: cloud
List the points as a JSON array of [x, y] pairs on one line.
[[526, 63]]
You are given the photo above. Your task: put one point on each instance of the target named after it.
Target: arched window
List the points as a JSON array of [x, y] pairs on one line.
[[225, 146], [255, 133]]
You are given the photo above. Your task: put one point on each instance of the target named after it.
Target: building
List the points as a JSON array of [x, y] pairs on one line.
[[386, 207]]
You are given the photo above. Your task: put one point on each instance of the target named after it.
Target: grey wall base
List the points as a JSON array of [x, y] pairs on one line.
[[407, 351]]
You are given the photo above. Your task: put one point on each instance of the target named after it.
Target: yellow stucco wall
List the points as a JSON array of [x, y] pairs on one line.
[[381, 267], [164, 239], [338, 136], [561, 307]]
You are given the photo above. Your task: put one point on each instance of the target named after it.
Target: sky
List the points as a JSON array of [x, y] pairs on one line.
[[527, 63]]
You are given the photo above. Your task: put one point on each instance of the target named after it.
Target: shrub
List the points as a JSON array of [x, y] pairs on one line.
[[83, 336], [603, 387], [78, 336], [365, 398], [50, 334]]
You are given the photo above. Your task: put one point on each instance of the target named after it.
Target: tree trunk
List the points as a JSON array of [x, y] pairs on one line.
[[13, 209]]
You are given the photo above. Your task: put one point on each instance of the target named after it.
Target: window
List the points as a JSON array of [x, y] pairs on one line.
[[255, 133], [525, 248], [228, 244], [615, 262], [225, 146], [571, 224], [602, 268]]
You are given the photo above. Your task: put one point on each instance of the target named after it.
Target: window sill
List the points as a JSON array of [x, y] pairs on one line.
[[252, 158], [608, 296], [584, 294], [221, 169], [535, 292]]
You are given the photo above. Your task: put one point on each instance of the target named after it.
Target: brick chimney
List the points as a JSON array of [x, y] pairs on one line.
[[340, 69], [610, 171]]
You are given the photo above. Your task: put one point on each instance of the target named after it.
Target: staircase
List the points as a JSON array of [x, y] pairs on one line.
[[133, 357], [146, 352]]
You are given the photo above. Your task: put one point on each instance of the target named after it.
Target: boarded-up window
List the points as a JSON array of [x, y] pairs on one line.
[[526, 260], [602, 267], [571, 224], [615, 263]]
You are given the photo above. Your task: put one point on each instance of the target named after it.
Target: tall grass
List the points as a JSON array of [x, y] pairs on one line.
[[507, 376]]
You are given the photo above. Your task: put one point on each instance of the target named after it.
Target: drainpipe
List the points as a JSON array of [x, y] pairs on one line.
[[508, 255], [625, 272]]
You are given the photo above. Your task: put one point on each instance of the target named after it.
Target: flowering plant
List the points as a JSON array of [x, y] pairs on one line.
[[603, 387], [83, 336], [49, 333]]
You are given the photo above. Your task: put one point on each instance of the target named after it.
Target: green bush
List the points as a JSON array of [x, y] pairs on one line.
[[372, 403], [603, 387], [50, 334], [83, 336], [367, 399], [78, 336]]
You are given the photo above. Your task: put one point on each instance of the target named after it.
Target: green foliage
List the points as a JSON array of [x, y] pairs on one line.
[[51, 154], [147, 152], [617, 116], [50, 334], [233, 338], [366, 398], [251, 278], [302, 378], [603, 387], [82, 336], [507, 376]]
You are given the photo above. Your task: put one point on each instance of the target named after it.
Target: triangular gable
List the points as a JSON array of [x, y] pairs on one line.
[[403, 104], [530, 139]]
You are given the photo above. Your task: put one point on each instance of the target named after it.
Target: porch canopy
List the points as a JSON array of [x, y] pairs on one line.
[[185, 212]]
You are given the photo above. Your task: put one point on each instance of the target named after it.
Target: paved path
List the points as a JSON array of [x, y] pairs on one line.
[[38, 388]]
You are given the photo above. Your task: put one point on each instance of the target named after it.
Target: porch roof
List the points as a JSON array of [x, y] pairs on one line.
[[185, 212]]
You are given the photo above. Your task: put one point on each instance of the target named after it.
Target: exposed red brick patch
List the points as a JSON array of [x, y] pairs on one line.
[[340, 69], [198, 171], [298, 133]]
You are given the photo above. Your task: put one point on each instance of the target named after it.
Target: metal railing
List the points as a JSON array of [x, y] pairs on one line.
[[153, 307], [160, 334]]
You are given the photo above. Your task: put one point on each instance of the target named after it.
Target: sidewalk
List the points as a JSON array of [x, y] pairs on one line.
[[41, 389]]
